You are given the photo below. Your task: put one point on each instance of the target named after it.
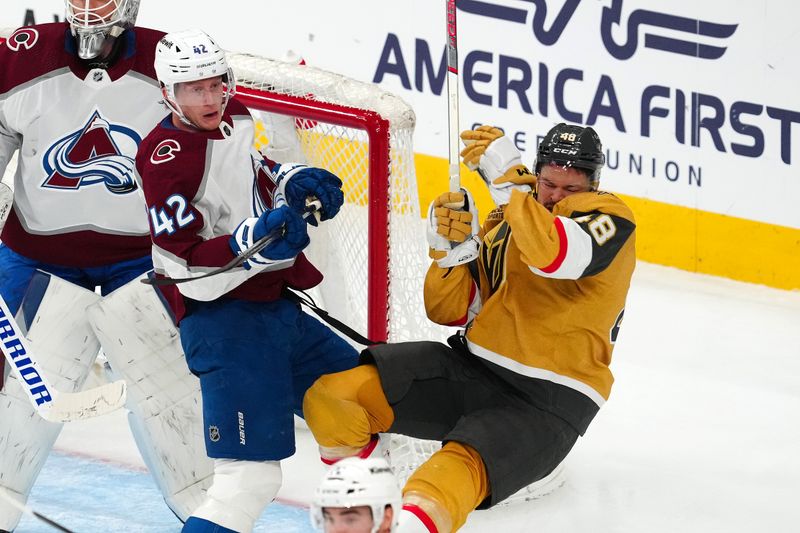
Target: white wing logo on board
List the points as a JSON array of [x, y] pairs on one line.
[[661, 31]]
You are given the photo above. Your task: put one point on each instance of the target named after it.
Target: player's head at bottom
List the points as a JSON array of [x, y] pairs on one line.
[[357, 496], [196, 80]]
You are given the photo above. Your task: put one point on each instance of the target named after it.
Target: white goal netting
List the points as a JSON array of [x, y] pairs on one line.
[[374, 252]]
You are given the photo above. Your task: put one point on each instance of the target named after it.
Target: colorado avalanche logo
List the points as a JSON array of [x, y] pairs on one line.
[[90, 156]]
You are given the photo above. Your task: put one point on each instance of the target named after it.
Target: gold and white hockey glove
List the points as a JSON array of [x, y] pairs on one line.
[[498, 162], [453, 229]]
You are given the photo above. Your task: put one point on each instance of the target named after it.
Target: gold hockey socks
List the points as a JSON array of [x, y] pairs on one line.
[[451, 484]]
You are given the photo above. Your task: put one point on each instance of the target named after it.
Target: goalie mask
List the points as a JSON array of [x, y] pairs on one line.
[[96, 24], [190, 56], [572, 146], [355, 482]]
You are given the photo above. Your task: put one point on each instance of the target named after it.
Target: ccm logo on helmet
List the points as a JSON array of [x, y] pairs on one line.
[[165, 151], [23, 38], [564, 151]]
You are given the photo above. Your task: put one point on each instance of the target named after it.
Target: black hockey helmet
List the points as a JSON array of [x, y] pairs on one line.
[[572, 146]]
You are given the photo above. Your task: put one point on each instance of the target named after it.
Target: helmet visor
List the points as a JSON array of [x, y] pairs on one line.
[[202, 102], [207, 92]]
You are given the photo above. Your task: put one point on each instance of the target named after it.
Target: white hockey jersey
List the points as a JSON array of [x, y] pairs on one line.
[[76, 202], [199, 186]]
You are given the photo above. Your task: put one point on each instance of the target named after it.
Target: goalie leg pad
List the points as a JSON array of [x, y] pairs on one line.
[[142, 346], [54, 317], [239, 494]]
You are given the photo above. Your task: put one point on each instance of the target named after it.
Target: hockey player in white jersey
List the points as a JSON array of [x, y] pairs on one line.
[[76, 99], [211, 196], [357, 496]]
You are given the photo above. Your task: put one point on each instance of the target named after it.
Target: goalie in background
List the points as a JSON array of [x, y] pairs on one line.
[[357, 496], [540, 291], [211, 196], [76, 98]]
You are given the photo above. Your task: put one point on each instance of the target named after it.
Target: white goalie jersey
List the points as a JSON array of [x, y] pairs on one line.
[[76, 202]]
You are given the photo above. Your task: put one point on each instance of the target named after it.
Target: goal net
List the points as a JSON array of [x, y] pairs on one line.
[[373, 253]]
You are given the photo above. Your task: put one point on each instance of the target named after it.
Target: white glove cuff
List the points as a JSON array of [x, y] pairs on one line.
[[282, 177], [462, 254], [500, 155], [243, 234], [503, 196]]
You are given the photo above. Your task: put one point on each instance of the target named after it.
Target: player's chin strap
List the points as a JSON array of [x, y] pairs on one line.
[[304, 299]]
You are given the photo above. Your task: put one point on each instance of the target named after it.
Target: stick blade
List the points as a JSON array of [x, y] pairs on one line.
[[98, 401]]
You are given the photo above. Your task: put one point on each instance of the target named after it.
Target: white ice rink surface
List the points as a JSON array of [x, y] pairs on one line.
[[701, 434]]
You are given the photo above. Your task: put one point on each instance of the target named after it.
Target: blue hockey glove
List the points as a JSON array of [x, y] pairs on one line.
[[286, 226], [298, 182]]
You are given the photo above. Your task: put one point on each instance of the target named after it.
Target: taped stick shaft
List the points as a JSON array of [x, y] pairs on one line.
[[452, 95]]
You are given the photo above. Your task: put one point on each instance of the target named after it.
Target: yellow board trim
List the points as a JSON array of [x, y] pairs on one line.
[[689, 239]]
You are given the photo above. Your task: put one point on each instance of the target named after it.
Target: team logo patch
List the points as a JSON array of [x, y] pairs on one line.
[[213, 433], [493, 255], [165, 151], [92, 155], [23, 38]]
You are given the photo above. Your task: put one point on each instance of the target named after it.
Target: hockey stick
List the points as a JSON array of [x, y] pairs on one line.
[[452, 95], [27, 510], [312, 206], [51, 404]]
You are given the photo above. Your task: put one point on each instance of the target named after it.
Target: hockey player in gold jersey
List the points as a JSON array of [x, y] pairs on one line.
[[540, 290]]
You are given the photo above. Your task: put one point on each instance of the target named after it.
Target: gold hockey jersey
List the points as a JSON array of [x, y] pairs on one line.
[[551, 293]]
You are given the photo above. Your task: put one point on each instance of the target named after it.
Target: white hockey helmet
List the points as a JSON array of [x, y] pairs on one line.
[[95, 22], [187, 56], [354, 482]]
